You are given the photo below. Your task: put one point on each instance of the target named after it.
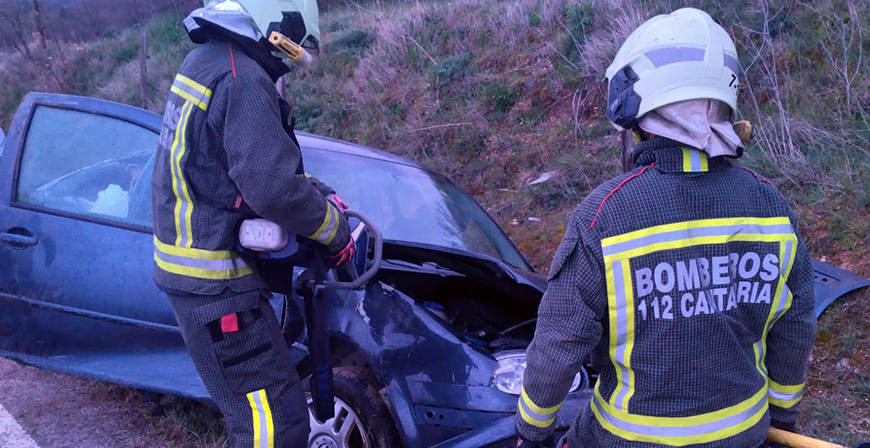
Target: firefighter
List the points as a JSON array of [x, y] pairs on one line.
[[226, 153], [684, 278]]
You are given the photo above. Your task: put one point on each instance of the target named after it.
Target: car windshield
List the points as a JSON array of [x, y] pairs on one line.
[[413, 205]]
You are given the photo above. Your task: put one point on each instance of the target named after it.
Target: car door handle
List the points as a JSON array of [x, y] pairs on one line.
[[19, 238]]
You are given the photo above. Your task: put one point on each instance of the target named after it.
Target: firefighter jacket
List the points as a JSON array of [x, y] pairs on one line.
[[687, 282], [227, 153]]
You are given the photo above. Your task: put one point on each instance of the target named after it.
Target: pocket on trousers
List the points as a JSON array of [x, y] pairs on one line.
[[247, 356]]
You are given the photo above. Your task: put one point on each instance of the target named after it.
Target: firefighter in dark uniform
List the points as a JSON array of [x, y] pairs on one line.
[[685, 278], [227, 153]]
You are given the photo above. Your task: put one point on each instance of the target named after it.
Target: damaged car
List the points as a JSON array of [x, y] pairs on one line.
[[430, 353]]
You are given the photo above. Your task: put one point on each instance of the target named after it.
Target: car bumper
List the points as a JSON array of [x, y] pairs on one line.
[[455, 416]]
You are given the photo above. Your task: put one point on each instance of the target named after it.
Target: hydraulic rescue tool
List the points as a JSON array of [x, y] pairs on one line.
[[278, 252]]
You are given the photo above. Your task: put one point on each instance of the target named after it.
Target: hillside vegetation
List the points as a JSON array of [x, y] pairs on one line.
[[505, 97]]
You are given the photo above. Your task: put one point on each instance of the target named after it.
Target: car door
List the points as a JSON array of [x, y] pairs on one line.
[[75, 219]]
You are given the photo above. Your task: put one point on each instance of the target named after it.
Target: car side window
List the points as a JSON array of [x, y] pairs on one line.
[[86, 164]]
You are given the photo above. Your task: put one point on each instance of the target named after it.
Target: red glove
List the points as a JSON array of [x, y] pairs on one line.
[[345, 254], [338, 202]]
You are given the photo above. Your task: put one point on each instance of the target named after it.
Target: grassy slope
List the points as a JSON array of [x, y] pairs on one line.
[[496, 93]]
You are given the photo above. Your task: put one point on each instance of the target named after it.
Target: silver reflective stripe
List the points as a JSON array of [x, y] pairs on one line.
[[210, 265], [732, 64], [780, 304], [671, 55], [621, 330], [695, 160], [263, 430], [784, 396], [195, 95], [333, 221], [177, 154], [695, 232], [543, 418], [681, 431]]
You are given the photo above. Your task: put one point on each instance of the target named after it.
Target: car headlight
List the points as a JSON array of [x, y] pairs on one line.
[[508, 377]]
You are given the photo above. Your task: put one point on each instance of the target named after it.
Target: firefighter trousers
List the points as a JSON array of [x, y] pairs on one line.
[[236, 344]]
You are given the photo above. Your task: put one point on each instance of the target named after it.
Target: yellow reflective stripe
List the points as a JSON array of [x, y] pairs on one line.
[[612, 313], [629, 341], [693, 224], [199, 254], [687, 160], [173, 169], [661, 429], [199, 263], [784, 396], [185, 190], [687, 421], [534, 414], [540, 424], [204, 93], [195, 85], [797, 388], [183, 204], [205, 274], [536, 408], [264, 430], [334, 230], [327, 230], [270, 428], [679, 244], [694, 161], [256, 417]]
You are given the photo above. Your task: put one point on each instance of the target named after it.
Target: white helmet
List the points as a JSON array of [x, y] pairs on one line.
[[673, 57], [295, 20]]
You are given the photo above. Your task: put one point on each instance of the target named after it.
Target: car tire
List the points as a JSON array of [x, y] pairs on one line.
[[352, 390]]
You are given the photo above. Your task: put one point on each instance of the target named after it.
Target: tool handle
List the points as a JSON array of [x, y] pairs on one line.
[[793, 440], [378, 257]]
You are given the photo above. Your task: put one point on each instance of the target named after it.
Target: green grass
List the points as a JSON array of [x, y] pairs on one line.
[[493, 93]]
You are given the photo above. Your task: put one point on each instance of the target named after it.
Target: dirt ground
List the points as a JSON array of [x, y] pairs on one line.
[[61, 411]]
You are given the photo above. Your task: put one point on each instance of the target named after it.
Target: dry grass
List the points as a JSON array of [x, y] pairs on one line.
[[496, 93]]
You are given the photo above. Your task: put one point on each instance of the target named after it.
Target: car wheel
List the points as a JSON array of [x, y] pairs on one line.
[[361, 420]]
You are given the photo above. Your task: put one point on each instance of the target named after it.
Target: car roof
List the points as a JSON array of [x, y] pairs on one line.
[[322, 143]]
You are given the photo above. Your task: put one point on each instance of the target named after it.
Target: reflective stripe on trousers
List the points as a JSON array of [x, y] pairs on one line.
[[199, 263], [264, 431]]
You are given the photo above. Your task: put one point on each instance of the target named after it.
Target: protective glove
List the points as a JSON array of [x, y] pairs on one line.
[[522, 442], [341, 248], [337, 202], [344, 255]]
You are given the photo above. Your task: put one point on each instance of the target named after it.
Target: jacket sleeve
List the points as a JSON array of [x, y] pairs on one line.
[[318, 185], [791, 339], [263, 161], [568, 327]]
